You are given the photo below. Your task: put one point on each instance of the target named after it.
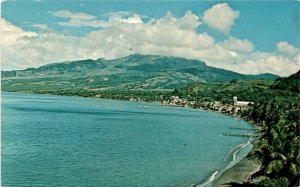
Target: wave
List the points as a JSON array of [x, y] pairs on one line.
[[208, 180], [238, 148], [235, 148], [145, 106], [216, 174]]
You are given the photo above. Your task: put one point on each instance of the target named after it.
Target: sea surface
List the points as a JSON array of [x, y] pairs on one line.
[[72, 141]]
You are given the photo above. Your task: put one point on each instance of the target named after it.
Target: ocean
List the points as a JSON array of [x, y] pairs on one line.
[[72, 141]]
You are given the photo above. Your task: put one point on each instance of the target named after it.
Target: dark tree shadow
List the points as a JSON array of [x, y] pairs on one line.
[[235, 184]]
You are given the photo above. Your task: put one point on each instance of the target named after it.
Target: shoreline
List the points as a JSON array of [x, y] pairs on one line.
[[238, 173]]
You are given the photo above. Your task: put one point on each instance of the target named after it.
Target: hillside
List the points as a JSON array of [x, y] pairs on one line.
[[275, 106], [131, 72], [253, 90], [288, 84], [275, 109]]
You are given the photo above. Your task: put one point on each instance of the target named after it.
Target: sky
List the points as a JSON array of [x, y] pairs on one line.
[[249, 37]]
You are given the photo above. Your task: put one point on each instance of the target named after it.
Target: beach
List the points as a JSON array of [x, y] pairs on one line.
[[241, 172], [112, 136], [238, 173]]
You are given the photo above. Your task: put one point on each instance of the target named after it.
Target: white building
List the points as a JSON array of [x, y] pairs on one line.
[[243, 103], [240, 103]]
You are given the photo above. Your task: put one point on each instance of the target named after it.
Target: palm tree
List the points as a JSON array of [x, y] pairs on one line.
[[279, 145]]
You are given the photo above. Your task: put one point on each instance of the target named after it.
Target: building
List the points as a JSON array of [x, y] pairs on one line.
[[234, 100], [241, 103]]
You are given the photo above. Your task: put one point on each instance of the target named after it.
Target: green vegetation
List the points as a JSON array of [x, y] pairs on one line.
[[282, 182], [132, 72], [288, 85], [133, 95], [275, 107], [279, 145], [224, 92]]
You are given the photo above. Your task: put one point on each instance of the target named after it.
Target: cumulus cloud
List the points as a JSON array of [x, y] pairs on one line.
[[287, 48], [22, 49], [239, 45], [188, 22], [10, 33], [221, 17], [161, 36], [125, 17], [271, 63], [127, 33]]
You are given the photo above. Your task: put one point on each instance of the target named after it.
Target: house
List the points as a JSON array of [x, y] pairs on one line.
[[241, 103]]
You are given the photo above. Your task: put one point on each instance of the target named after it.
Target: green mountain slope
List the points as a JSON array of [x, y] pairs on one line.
[[288, 84], [257, 91], [131, 72]]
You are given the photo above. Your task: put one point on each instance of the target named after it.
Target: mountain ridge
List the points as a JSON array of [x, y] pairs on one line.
[[143, 71]]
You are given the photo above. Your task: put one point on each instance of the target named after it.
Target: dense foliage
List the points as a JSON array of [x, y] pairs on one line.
[[276, 109], [288, 85], [244, 90], [131, 72], [279, 145]]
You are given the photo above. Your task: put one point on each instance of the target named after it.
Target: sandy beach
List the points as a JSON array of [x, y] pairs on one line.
[[239, 173]]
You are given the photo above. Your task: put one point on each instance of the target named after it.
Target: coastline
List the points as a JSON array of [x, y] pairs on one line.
[[242, 170], [238, 173]]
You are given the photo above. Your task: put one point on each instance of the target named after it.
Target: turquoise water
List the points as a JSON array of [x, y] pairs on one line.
[[72, 141]]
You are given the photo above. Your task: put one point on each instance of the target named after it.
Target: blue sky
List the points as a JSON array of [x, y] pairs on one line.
[[259, 25], [264, 23]]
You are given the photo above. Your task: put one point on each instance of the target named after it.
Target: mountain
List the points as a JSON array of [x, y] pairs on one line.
[[132, 72], [291, 83]]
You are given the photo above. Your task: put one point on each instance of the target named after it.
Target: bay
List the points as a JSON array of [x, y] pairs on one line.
[[72, 141]]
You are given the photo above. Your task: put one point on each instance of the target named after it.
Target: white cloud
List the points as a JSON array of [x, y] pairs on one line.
[[126, 34], [188, 22], [287, 48], [22, 49], [73, 15], [40, 26], [272, 63], [134, 19], [76, 19], [80, 19], [125, 17], [10, 34], [162, 36], [238, 45], [221, 17]]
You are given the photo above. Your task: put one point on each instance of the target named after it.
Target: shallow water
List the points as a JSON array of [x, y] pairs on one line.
[[72, 141]]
